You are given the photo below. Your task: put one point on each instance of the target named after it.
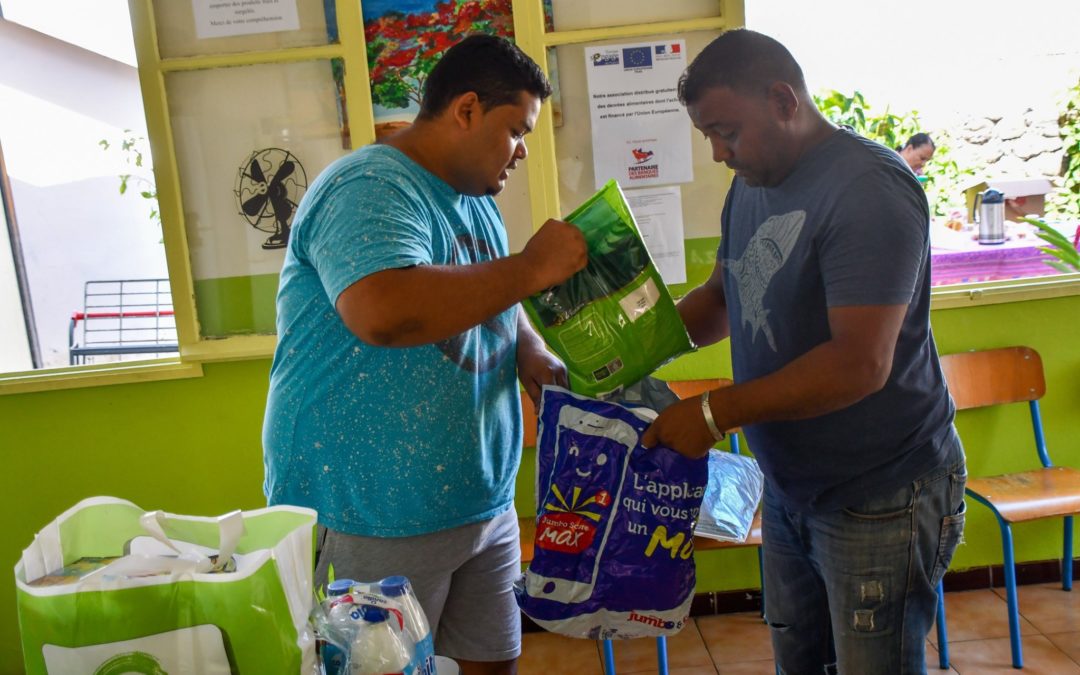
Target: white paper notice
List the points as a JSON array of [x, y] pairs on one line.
[[658, 213], [223, 18], [640, 131]]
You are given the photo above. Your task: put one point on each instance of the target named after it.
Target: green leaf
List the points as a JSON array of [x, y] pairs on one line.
[[124, 183], [147, 195], [1070, 260], [1049, 233], [1065, 269]]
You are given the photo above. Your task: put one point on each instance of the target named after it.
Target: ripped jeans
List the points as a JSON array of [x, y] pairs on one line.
[[854, 591]]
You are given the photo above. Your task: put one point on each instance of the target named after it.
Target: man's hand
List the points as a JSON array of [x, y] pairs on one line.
[[555, 253], [681, 427], [536, 365]]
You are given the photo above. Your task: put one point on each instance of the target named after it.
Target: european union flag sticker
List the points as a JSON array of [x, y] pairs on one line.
[[637, 57]]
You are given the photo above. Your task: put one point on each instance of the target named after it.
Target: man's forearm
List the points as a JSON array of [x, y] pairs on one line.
[[704, 312], [527, 337], [829, 377], [429, 303]]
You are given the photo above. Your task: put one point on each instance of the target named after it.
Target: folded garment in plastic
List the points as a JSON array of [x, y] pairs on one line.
[[613, 551], [731, 497], [613, 322]]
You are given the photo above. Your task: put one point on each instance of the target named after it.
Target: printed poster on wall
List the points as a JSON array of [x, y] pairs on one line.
[[640, 131], [658, 214], [225, 18]]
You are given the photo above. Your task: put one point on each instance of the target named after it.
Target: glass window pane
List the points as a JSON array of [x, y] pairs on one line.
[[575, 14], [102, 26], [958, 257], [72, 131], [702, 199], [178, 35], [248, 140]]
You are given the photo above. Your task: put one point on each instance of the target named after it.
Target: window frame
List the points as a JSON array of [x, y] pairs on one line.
[[543, 184]]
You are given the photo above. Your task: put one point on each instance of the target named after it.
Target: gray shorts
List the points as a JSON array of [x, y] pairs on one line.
[[463, 578]]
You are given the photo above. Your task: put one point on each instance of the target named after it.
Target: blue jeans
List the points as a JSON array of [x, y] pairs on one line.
[[854, 591]]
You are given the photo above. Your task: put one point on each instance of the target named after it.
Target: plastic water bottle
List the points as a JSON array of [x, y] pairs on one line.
[[334, 661], [377, 648], [398, 589]]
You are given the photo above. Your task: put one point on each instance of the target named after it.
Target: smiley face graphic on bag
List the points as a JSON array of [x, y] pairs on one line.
[[601, 460]]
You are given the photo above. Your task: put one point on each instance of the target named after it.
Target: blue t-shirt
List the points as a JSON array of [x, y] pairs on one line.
[[849, 226], [381, 441]]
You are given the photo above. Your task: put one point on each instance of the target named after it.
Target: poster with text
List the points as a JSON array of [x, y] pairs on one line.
[[658, 214], [224, 18], [640, 131]]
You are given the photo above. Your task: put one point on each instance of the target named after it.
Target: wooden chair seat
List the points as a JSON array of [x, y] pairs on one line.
[[1030, 495]]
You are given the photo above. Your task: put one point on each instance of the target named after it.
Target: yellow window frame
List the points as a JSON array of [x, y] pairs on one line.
[[543, 177], [533, 39]]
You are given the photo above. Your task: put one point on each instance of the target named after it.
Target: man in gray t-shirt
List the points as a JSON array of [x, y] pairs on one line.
[[822, 283]]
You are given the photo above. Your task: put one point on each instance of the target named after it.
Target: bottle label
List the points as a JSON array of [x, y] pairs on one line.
[[423, 662]]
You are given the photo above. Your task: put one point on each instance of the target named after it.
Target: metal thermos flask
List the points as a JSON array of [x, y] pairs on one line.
[[990, 216]]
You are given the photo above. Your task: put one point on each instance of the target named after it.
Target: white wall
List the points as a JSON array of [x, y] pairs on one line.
[[59, 101]]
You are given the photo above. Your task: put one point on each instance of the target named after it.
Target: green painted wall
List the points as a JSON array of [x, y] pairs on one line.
[[193, 446]]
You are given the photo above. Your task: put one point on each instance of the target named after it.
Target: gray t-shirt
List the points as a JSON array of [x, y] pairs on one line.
[[849, 226]]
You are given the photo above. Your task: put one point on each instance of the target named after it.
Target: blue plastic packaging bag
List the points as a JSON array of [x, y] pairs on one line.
[[613, 554]]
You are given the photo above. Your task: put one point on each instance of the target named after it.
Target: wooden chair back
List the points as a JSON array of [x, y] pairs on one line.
[[994, 376]]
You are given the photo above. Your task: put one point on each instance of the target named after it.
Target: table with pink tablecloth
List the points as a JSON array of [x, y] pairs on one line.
[[988, 263], [958, 258]]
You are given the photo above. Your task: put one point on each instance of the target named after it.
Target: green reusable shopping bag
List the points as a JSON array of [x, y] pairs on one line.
[[108, 588], [613, 322]]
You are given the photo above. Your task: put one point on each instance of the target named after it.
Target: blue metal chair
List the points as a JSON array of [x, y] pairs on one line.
[[996, 377], [942, 631]]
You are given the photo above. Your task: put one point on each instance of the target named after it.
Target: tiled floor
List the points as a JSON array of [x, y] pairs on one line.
[[739, 643]]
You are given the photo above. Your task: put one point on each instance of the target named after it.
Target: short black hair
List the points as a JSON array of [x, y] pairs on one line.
[[742, 60], [492, 67], [919, 140]]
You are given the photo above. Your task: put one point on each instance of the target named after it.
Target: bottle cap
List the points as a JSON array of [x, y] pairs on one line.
[[373, 614], [339, 587], [394, 586]]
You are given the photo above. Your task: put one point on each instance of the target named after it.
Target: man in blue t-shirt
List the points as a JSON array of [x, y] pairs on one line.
[[823, 284], [394, 408]]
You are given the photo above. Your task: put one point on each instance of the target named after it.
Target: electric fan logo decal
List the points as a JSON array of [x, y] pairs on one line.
[[269, 185]]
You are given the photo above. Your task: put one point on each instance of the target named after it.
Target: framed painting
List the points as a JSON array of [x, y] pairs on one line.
[[405, 39]]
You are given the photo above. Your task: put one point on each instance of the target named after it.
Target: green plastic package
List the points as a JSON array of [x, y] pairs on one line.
[[613, 322]]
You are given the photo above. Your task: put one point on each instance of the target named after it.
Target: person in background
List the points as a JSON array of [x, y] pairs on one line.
[[394, 406], [918, 150], [822, 283]]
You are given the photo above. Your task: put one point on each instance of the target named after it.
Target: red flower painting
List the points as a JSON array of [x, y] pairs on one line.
[[406, 39]]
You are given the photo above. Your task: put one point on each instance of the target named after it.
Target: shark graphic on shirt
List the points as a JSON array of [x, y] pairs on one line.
[[763, 257]]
